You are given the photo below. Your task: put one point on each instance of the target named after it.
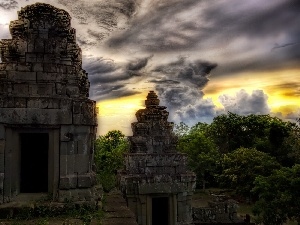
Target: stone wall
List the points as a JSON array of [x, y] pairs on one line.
[[43, 88]]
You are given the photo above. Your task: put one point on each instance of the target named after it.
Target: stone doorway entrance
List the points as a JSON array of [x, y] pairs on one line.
[[160, 211], [34, 162]]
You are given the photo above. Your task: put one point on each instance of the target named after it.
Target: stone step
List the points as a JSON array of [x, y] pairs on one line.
[[116, 210]]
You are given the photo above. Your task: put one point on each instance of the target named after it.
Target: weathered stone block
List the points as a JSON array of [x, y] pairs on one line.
[[40, 57], [66, 103], [20, 102], [84, 181], [72, 91], [24, 67], [50, 67], [46, 77], [30, 57], [67, 164], [43, 103], [39, 45], [82, 145], [3, 75], [82, 163], [9, 102], [34, 116], [72, 147], [77, 119], [22, 76], [30, 46], [45, 89], [20, 89], [22, 46], [60, 89], [76, 107], [37, 67]]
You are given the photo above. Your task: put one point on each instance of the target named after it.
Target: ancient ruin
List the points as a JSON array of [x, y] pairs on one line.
[[155, 181], [47, 123], [221, 210]]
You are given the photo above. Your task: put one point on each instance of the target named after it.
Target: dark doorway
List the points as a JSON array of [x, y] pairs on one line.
[[160, 211], [34, 162]]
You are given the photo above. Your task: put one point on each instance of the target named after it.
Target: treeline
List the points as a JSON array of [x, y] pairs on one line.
[[257, 156]]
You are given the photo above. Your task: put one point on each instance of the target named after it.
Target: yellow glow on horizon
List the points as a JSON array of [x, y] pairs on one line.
[[118, 114], [123, 105], [276, 84]]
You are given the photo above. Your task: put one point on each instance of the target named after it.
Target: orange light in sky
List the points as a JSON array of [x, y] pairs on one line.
[[118, 114], [282, 88]]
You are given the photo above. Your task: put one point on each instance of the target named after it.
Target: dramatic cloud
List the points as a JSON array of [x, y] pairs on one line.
[[186, 104], [161, 26], [8, 4], [97, 19], [179, 86], [244, 104], [110, 79], [192, 73], [242, 37]]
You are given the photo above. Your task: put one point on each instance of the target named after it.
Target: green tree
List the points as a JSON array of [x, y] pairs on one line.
[[242, 166], [181, 129], [201, 151], [109, 150], [231, 131], [279, 196], [262, 132]]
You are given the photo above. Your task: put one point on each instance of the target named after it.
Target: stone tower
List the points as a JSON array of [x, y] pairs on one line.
[[47, 123], [155, 180]]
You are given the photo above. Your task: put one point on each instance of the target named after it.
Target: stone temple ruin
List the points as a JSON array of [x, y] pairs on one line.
[[155, 180], [47, 123]]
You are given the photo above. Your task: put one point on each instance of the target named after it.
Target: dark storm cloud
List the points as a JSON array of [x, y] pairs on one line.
[[101, 17], [164, 81], [99, 65], [186, 104], [193, 73], [179, 85], [159, 29], [110, 79], [244, 35], [137, 65], [273, 26], [8, 4], [109, 92]]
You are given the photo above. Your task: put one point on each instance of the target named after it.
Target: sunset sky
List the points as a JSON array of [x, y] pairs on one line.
[[202, 57]]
